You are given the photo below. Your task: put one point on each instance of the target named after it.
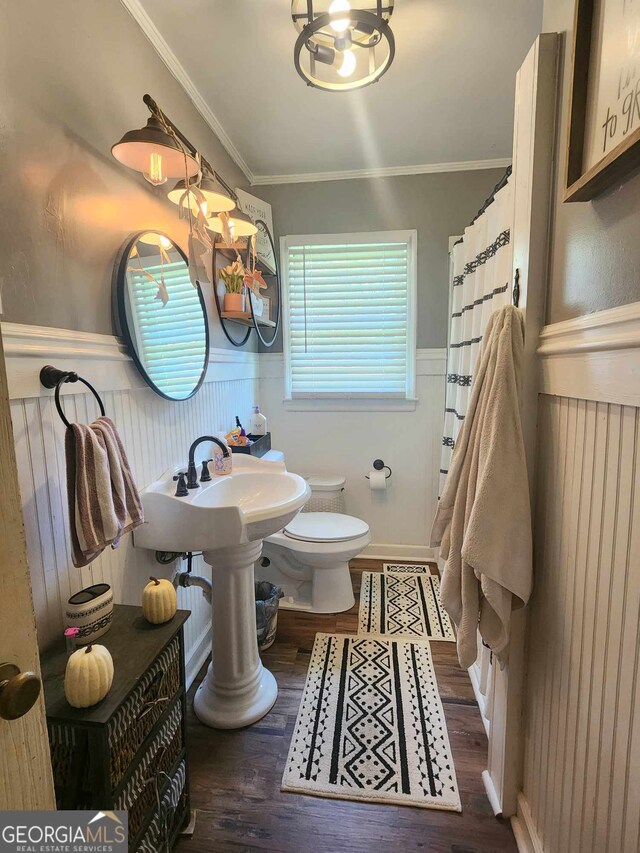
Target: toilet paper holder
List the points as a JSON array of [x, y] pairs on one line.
[[379, 465]]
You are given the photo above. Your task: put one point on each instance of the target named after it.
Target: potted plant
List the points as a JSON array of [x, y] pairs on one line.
[[233, 278]]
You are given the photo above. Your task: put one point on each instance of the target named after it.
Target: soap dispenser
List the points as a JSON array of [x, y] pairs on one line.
[[258, 422]]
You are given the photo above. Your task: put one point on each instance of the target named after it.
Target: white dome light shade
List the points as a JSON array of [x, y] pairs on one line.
[[154, 238], [240, 224], [216, 198]]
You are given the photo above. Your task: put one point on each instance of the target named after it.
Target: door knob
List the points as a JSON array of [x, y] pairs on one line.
[[18, 691]]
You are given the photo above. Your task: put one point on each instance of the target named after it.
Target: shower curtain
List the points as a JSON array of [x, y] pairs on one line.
[[481, 273], [481, 279]]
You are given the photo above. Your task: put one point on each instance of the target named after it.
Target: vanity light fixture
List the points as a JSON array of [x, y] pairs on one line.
[[342, 45], [161, 151]]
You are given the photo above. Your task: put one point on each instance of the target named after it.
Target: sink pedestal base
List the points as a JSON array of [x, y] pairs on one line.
[[237, 690]]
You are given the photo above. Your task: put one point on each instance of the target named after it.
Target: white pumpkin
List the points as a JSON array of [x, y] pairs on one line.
[[88, 676], [159, 601]]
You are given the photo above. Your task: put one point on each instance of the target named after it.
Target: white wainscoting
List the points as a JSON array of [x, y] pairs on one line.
[[156, 434], [581, 782], [320, 441]]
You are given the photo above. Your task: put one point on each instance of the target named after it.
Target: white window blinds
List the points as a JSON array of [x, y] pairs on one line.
[[170, 339], [349, 315]]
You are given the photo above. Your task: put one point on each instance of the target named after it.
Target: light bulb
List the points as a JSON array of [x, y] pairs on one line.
[[154, 175], [165, 242], [341, 24], [203, 208], [348, 63]]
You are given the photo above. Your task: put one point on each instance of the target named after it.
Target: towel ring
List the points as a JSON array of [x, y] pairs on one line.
[[52, 377]]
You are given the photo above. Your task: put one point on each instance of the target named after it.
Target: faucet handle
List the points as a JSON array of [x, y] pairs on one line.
[[205, 476], [181, 489]]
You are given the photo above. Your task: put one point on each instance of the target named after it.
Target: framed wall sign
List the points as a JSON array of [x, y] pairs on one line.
[[258, 209], [604, 114]]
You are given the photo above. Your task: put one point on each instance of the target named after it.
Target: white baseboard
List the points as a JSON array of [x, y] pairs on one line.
[[200, 651], [383, 551], [524, 830]]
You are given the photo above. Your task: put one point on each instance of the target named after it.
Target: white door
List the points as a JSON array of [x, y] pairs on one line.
[[25, 766], [535, 110]]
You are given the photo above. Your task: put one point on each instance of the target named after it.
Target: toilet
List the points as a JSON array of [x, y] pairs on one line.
[[309, 559]]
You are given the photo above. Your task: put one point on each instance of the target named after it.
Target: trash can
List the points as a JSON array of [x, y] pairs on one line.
[[268, 596]]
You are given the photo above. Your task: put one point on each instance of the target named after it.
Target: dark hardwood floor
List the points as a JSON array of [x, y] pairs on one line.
[[236, 775]]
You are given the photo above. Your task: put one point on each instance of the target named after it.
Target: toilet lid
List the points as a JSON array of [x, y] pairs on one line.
[[325, 527]]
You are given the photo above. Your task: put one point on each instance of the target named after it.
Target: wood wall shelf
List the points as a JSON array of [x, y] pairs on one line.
[[244, 317]]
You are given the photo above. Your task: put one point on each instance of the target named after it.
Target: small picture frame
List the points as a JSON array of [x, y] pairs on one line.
[[603, 144]]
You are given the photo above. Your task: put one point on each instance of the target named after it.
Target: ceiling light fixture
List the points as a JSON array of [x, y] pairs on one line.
[[342, 45]]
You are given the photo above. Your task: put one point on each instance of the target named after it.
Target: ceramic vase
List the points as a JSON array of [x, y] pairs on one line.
[[234, 302], [91, 611]]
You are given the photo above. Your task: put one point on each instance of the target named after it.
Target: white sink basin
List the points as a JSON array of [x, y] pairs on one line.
[[227, 519], [257, 499]]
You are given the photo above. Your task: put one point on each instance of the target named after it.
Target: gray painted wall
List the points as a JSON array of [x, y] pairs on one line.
[[595, 247], [437, 206], [72, 77]]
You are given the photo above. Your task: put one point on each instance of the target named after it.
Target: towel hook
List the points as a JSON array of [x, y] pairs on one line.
[[52, 377], [379, 465]]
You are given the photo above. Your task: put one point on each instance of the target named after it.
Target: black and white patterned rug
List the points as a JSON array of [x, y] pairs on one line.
[[400, 604], [405, 568], [371, 726]]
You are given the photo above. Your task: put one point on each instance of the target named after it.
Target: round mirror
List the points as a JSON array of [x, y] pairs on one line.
[[161, 315]]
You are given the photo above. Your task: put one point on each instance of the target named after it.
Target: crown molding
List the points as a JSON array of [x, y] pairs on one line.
[[139, 14], [382, 172]]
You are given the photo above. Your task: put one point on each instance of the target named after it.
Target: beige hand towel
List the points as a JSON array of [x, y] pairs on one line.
[[103, 499], [483, 522]]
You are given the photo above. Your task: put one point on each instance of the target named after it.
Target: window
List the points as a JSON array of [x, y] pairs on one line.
[[349, 315]]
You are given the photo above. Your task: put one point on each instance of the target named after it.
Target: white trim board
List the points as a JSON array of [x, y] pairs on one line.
[[101, 359], [594, 357], [139, 14], [429, 362], [523, 829], [400, 553], [382, 172]]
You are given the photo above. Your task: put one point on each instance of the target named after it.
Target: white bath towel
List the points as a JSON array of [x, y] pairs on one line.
[[483, 522]]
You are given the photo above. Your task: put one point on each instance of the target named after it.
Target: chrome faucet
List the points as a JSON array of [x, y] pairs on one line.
[[192, 474]]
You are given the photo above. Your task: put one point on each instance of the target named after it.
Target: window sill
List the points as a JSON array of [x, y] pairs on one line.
[[350, 405]]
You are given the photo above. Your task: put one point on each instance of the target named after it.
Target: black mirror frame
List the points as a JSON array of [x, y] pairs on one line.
[[119, 312]]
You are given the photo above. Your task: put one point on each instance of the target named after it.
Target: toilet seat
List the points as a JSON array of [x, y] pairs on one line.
[[325, 527]]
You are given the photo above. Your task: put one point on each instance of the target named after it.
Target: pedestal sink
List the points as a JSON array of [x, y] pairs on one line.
[[227, 519]]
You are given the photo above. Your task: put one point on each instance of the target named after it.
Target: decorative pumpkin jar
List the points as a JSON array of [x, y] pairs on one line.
[[88, 676], [159, 601]]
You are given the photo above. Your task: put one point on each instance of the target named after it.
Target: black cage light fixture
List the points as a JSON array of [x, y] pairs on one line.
[[342, 45]]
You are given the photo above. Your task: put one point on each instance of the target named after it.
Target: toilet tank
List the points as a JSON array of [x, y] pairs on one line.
[[327, 493]]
